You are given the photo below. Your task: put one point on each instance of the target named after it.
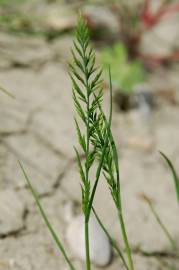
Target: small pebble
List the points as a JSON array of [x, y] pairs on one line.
[[100, 249]]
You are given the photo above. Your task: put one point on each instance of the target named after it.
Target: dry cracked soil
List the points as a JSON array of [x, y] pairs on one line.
[[37, 128]]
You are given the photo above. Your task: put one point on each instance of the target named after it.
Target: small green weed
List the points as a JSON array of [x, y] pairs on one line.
[[126, 74]]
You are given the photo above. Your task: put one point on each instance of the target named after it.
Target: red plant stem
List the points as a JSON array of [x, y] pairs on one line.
[[168, 10], [150, 20]]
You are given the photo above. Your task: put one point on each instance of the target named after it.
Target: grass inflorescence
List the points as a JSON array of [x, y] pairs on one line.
[[97, 142], [96, 146]]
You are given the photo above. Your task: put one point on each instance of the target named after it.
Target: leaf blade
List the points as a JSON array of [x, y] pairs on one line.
[[44, 216], [174, 173], [6, 92]]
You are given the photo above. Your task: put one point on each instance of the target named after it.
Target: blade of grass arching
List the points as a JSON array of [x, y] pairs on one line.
[[119, 206], [47, 222], [111, 107], [112, 241], [174, 174], [98, 172], [108, 128], [115, 154], [159, 221], [6, 92]]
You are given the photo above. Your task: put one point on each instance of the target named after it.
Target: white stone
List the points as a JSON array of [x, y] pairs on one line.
[[100, 249]]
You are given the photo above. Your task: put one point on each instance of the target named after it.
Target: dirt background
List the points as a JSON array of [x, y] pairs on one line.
[[37, 128]]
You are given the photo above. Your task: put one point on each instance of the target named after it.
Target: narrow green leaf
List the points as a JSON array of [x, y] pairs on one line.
[[174, 173], [113, 145], [98, 172], [47, 222], [159, 221], [6, 92]]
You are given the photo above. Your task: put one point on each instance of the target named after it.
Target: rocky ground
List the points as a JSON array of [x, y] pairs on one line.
[[37, 128]]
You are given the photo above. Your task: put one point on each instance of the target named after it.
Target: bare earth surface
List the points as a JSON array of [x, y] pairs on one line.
[[37, 128]]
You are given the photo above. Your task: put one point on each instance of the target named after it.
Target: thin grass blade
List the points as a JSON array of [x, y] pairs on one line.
[[98, 172], [6, 92], [174, 174], [159, 221], [117, 198], [44, 216]]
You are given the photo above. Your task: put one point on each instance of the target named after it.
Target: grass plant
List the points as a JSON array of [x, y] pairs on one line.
[[84, 87], [112, 240], [95, 139], [45, 218], [97, 143], [96, 146]]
